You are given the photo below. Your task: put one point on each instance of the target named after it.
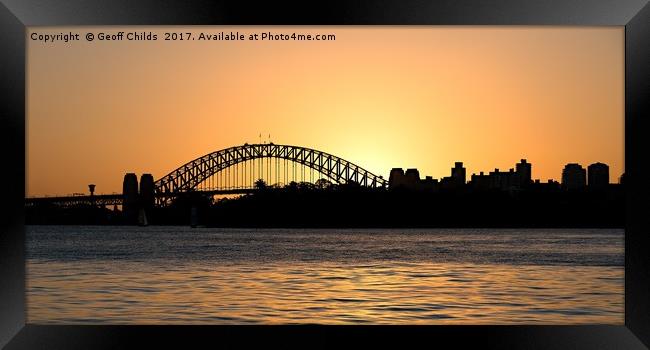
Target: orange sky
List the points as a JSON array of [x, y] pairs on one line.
[[380, 97]]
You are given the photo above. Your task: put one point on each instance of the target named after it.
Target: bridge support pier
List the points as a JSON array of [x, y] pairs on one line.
[[130, 207], [134, 200]]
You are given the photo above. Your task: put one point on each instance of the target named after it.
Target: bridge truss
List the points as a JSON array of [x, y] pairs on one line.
[[236, 170], [240, 167]]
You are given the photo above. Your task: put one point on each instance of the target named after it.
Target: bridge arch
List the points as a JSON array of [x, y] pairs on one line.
[[188, 176]]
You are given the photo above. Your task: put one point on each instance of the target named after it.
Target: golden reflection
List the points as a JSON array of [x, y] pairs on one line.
[[324, 293]]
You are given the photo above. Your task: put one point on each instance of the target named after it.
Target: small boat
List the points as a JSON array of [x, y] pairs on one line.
[[194, 217], [142, 218]]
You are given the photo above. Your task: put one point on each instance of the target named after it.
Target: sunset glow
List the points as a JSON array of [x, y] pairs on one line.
[[381, 97]]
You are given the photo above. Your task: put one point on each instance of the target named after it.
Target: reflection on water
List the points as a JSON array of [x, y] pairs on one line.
[[129, 275]]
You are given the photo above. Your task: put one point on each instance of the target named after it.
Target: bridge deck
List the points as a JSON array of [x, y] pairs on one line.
[[114, 199]]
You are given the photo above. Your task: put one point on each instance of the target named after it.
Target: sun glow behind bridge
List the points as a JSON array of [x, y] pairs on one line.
[[381, 97]]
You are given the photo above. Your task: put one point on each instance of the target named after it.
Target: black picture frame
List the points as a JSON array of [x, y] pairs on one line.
[[17, 15]]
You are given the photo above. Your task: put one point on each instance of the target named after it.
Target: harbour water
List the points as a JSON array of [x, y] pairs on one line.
[[180, 275]]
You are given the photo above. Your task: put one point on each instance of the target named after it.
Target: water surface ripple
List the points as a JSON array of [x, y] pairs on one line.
[[179, 275]]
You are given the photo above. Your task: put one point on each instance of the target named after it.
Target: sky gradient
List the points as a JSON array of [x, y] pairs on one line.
[[380, 97]]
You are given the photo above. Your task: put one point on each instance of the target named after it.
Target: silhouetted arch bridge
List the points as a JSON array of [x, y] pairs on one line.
[[235, 170]]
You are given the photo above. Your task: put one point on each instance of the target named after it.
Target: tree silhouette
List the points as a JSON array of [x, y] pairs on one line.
[[292, 185], [323, 183], [260, 184]]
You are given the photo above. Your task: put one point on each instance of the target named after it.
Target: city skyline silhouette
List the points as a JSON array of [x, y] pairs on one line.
[[574, 175], [268, 178]]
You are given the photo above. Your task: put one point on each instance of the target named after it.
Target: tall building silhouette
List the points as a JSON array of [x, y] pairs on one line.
[[429, 184], [574, 176], [458, 174], [480, 181], [504, 180], [598, 175], [523, 173], [396, 178], [511, 180], [412, 178]]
